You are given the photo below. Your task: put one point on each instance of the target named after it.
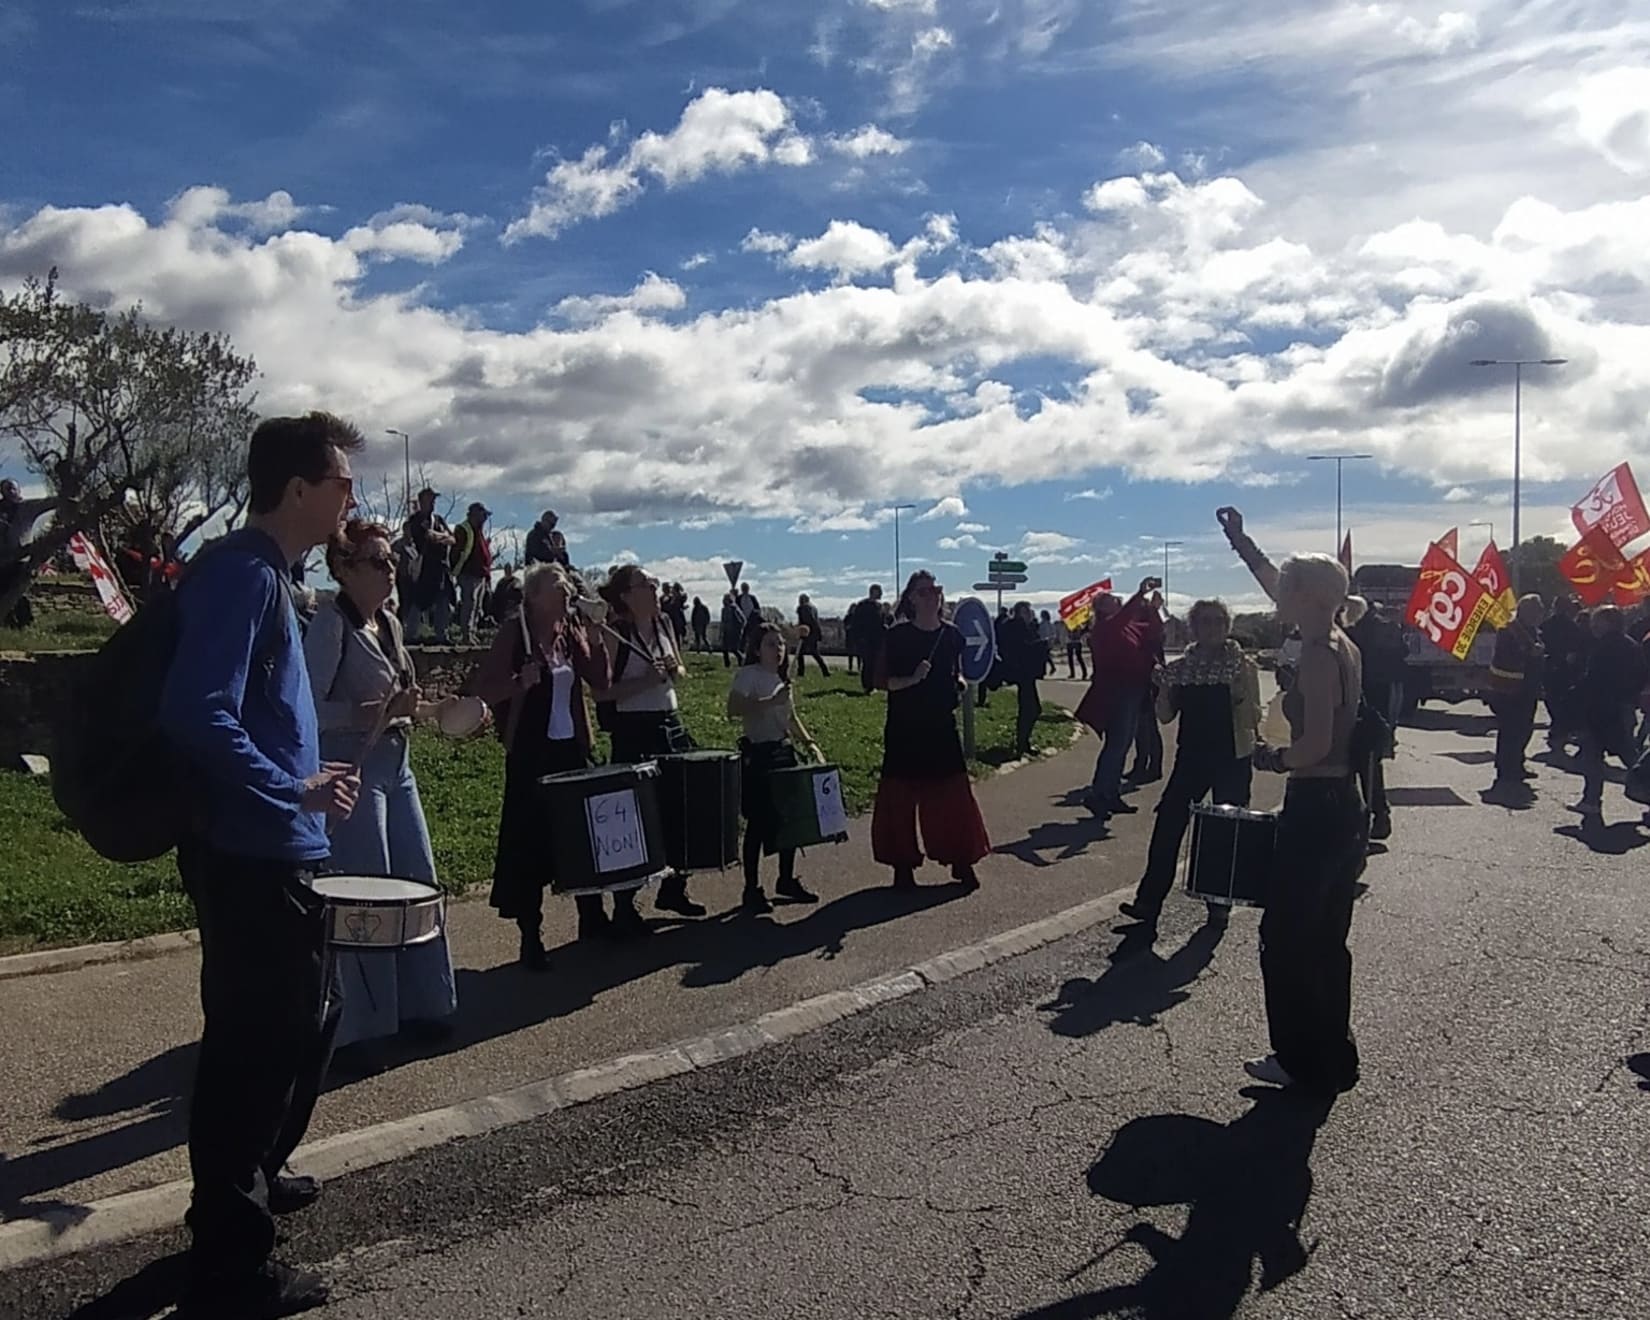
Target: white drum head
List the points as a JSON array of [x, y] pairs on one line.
[[459, 717], [372, 889]]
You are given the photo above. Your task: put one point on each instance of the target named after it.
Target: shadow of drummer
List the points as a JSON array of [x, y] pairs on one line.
[[1138, 986], [1247, 1184]]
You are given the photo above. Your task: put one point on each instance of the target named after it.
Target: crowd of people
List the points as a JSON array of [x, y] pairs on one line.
[[299, 732]]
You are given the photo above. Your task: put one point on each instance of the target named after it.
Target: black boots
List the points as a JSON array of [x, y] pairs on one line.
[[673, 897]]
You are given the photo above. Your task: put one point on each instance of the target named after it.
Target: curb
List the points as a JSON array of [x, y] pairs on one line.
[[66, 1230], [71, 959]]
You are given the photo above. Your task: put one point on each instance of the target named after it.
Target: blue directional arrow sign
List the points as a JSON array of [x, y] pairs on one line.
[[973, 621]]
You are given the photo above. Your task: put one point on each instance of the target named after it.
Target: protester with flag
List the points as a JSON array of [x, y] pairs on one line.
[[1615, 677], [1516, 671], [1566, 645]]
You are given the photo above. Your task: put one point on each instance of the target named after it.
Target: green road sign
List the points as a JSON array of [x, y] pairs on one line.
[[1005, 566]]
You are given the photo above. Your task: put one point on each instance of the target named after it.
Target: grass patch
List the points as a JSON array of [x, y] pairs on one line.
[[59, 630], [55, 890]]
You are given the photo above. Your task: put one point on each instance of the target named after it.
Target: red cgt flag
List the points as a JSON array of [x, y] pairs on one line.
[[1633, 584], [1346, 553], [1078, 608], [1448, 604], [1492, 572], [1593, 566], [1450, 543], [1615, 505]]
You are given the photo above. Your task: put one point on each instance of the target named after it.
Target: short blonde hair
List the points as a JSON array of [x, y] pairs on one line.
[[540, 575], [1356, 608], [1320, 578]]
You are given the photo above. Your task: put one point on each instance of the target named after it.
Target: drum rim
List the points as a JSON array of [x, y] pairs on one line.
[[628, 773], [1228, 812], [706, 754], [430, 891], [463, 701]]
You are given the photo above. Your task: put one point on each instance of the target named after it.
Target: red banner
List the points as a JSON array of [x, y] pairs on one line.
[[1633, 585], [1492, 573], [1078, 608], [1448, 604], [1450, 543], [1615, 505], [88, 560], [1593, 566], [1346, 553]]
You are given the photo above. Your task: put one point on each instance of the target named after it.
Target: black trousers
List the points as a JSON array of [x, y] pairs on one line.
[[264, 1049], [1227, 780], [1031, 710], [1077, 659], [1323, 839], [810, 646], [867, 664], [1148, 740], [1514, 723]]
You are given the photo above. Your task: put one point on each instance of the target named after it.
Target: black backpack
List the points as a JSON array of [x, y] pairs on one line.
[[115, 775]]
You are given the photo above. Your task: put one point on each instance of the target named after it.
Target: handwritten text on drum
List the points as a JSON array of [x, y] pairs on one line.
[[617, 839]]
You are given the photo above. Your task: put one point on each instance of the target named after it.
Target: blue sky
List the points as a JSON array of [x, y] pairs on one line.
[[720, 279]]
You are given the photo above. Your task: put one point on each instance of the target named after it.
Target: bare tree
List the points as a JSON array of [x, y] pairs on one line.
[[125, 420]]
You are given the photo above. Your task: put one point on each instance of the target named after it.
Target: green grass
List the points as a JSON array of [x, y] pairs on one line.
[[59, 630], [54, 890]]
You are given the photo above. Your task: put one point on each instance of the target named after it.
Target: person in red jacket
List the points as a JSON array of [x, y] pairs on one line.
[[1125, 642]]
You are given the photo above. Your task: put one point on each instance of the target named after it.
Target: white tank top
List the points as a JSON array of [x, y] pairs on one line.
[[658, 698]]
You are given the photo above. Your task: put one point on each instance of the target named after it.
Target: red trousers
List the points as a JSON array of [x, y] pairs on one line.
[[951, 823]]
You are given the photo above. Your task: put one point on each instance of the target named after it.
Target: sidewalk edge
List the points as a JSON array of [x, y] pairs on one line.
[[67, 1230]]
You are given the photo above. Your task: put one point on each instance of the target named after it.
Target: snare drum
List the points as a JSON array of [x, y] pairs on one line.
[[1229, 856], [380, 911], [699, 804], [605, 829], [807, 806]]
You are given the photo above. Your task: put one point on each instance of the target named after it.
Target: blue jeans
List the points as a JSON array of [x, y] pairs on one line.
[[386, 835], [1116, 739]]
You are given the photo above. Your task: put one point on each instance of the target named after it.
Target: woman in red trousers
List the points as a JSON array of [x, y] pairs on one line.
[[924, 776]]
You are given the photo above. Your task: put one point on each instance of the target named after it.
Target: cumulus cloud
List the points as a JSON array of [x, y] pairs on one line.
[[653, 294], [1047, 543], [411, 232], [964, 542], [866, 142], [973, 528], [720, 132], [846, 247], [951, 506], [203, 206], [1090, 494], [1142, 156], [758, 240], [1610, 112]]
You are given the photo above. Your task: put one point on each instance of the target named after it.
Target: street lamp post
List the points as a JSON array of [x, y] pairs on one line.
[[406, 470], [897, 508], [1168, 546], [1518, 365], [1338, 460], [1482, 523]]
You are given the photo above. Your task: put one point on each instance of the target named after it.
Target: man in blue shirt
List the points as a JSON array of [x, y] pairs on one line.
[[237, 703]]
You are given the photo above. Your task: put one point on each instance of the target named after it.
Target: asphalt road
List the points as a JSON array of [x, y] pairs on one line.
[[1069, 1134]]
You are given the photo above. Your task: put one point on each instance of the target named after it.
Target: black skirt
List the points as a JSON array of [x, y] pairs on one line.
[[757, 760], [521, 868], [641, 735]]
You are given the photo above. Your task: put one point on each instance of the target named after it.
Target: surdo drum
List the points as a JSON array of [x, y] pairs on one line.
[[605, 829], [1229, 856], [807, 805], [699, 806]]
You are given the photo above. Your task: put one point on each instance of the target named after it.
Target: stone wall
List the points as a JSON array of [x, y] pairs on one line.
[[32, 689]]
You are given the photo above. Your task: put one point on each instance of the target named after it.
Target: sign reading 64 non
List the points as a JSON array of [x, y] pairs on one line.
[[1448, 605]]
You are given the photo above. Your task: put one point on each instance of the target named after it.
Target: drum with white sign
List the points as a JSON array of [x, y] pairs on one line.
[[1229, 854], [807, 805], [379, 911], [605, 828], [699, 808]]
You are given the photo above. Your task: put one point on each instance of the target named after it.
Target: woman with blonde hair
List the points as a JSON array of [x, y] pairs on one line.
[[534, 676], [1323, 830]]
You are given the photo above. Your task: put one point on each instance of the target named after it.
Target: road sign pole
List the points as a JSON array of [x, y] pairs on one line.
[[968, 720]]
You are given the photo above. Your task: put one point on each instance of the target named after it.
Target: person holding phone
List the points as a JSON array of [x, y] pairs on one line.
[[762, 700], [924, 774], [1125, 642]]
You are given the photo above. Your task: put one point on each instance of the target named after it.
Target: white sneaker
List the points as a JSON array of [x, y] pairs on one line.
[[1269, 1070]]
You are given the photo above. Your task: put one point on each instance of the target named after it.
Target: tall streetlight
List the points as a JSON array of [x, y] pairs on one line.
[[1168, 546], [406, 459], [1518, 365], [1481, 523], [897, 509], [1339, 460]]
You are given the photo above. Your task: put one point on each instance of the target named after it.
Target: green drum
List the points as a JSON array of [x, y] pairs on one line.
[[807, 804]]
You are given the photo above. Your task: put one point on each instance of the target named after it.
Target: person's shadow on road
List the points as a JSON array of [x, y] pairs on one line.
[[1615, 840], [1137, 986], [1247, 1183]]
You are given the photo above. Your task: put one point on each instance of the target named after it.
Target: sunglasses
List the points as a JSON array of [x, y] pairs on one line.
[[383, 563]]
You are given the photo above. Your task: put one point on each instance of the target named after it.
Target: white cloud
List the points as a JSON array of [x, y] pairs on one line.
[[951, 506], [1142, 156], [926, 7], [411, 232], [1090, 494], [720, 132], [203, 206], [1047, 543], [697, 260], [866, 142], [653, 294], [964, 542], [846, 247], [1611, 114], [1459, 495], [760, 241], [973, 528]]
